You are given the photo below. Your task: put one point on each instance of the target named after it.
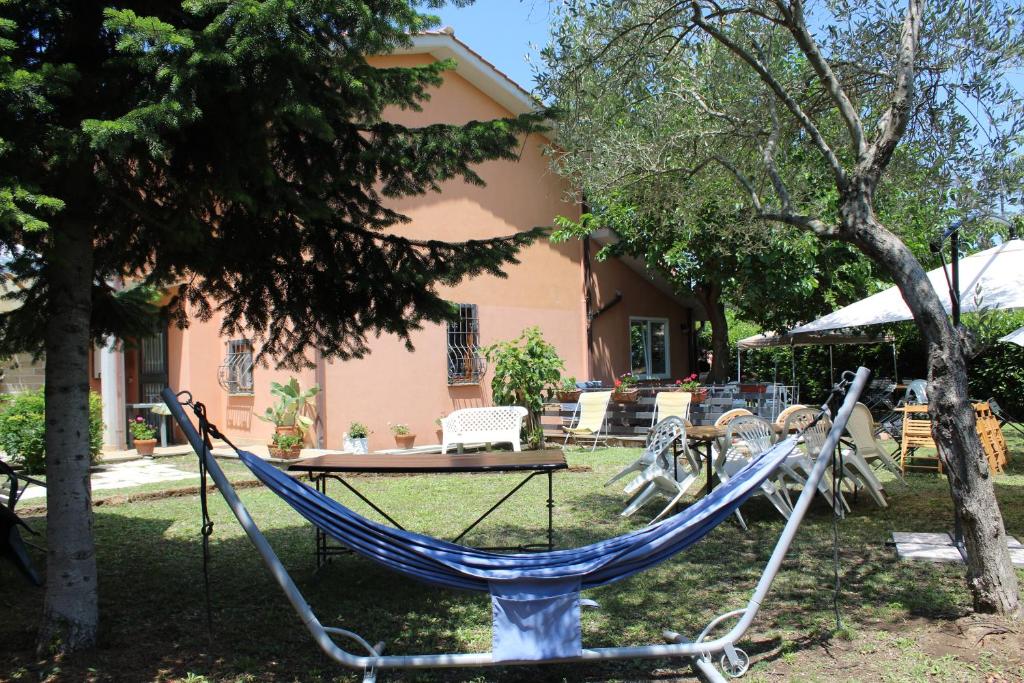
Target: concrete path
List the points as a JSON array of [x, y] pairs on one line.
[[933, 547], [119, 475]]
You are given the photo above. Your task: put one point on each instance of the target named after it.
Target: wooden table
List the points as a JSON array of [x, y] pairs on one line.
[[325, 467]]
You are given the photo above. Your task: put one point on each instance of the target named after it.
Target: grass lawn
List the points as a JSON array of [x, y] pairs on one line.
[[902, 621]]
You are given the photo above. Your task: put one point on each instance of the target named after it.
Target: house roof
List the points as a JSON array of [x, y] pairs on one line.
[[486, 77]]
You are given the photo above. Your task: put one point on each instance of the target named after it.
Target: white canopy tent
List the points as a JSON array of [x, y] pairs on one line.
[[1015, 337], [794, 339], [990, 279]]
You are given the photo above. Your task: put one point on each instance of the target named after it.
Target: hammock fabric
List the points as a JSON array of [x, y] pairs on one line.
[[535, 596]]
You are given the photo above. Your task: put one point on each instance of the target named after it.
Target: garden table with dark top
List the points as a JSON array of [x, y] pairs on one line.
[[333, 466]]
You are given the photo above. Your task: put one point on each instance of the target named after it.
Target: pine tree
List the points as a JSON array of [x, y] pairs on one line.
[[238, 150]]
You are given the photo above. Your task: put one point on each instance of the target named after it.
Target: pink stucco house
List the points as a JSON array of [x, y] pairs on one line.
[[605, 318]]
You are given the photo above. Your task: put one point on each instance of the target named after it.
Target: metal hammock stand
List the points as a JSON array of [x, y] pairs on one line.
[[704, 651]]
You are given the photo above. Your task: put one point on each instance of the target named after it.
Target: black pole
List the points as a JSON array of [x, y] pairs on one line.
[[954, 302]]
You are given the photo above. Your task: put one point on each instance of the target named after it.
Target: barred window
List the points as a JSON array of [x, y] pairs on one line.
[[235, 375], [466, 364]]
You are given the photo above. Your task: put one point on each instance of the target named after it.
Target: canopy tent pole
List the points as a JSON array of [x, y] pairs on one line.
[[831, 369], [792, 364], [739, 364], [895, 365]]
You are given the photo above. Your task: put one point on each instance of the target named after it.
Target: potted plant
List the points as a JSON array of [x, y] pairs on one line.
[[692, 385], [404, 438], [567, 391], [287, 413], [357, 439], [440, 429], [143, 435], [286, 446], [627, 388]]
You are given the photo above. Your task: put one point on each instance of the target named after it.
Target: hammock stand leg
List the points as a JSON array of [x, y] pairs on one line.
[[722, 645]]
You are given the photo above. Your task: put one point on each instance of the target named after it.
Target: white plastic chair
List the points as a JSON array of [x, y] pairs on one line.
[[917, 392], [663, 474], [748, 437], [813, 440], [659, 442], [589, 418]]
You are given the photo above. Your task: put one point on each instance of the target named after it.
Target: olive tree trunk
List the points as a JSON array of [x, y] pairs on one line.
[[990, 573], [70, 612]]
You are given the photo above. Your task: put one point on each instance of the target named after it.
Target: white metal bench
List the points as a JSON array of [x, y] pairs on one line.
[[500, 424]]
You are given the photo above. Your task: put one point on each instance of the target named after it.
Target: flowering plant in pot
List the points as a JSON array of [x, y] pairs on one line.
[[692, 385], [357, 439], [404, 437], [567, 391], [143, 435], [627, 388], [285, 445], [440, 429]]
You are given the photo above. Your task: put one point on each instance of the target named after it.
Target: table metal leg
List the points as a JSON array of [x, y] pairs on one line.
[[711, 466], [551, 514]]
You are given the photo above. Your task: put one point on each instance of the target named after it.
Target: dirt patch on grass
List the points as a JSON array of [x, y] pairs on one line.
[[970, 648]]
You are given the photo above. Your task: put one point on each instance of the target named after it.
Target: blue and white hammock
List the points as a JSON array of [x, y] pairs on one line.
[[538, 590], [535, 596]]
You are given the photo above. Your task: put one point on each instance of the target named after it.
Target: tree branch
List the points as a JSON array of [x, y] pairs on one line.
[[894, 121], [780, 92], [798, 28]]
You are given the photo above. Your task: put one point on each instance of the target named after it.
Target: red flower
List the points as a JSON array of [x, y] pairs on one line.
[[139, 418], [618, 382], [679, 381]]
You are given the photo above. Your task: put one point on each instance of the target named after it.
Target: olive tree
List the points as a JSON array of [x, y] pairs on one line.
[[806, 111]]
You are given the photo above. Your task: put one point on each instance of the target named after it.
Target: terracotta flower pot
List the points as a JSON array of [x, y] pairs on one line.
[[405, 440], [568, 396], [699, 395], [284, 453], [440, 435], [144, 446], [625, 396], [287, 430]]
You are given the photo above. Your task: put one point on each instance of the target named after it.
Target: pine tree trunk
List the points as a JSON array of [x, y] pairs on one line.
[[990, 574], [70, 613], [711, 298]]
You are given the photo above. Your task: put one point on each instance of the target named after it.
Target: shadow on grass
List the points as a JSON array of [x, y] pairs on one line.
[[153, 611]]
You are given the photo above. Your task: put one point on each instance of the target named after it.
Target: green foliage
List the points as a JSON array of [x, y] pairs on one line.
[[523, 369], [568, 384], [399, 429], [23, 424], [357, 430], [291, 402], [141, 429], [286, 442], [998, 369], [200, 138]]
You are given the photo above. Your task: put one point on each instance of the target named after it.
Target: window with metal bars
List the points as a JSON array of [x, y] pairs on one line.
[[235, 375], [466, 363]]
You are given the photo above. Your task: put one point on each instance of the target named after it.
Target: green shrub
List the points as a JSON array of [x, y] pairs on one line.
[[523, 369], [23, 428]]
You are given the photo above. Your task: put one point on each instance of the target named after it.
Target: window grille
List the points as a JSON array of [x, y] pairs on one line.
[[466, 364], [235, 375]]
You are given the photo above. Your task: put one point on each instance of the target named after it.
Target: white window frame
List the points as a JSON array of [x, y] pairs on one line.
[[647, 347]]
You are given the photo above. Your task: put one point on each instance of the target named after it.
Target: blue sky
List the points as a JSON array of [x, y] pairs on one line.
[[503, 32]]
